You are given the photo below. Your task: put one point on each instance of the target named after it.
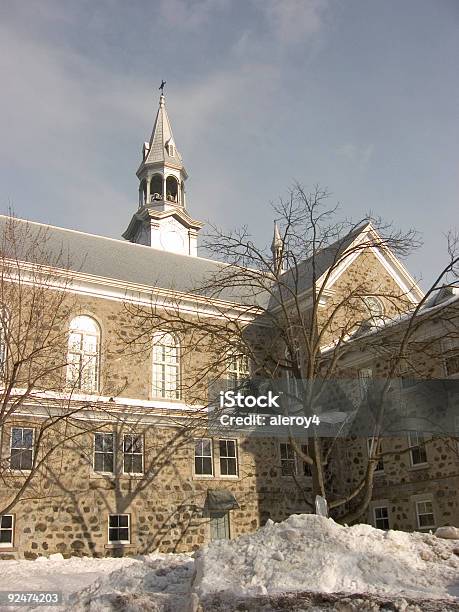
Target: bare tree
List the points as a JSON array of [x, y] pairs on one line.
[[282, 314], [38, 410]]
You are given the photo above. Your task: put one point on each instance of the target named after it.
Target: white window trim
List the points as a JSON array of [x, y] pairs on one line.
[[416, 465], [12, 469], [379, 506], [128, 527], [155, 393], [281, 459], [94, 453], [236, 448], [4, 545], [423, 501], [71, 330], [142, 454], [212, 454], [365, 374]]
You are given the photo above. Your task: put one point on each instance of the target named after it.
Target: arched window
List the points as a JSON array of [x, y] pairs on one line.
[[172, 189], [83, 354], [156, 187], [375, 309], [166, 366]]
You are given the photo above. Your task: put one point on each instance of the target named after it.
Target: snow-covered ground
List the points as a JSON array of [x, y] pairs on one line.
[[293, 565]]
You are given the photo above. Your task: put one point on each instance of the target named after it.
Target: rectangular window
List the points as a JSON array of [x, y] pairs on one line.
[[287, 457], [424, 512], [365, 376], [119, 528], [237, 371], [203, 465], [228, 457], [306, 467], [381, 516], [418, 451], [450, 349], [21, 457], [6, 530], [371, 442], [132, 454], [219, 526], [103, 452]]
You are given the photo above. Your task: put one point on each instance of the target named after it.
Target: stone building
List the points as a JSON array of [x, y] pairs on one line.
[[136, 469]]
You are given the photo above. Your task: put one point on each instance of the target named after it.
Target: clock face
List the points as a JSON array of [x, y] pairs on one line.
[[172, 240]]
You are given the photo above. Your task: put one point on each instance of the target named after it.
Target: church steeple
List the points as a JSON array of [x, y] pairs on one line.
[[161, 220]]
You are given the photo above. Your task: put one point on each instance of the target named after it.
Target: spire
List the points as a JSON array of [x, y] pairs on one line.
[[161, 148], [162, 220], [277, 249]]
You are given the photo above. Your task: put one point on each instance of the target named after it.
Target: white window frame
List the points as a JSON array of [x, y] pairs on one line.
[[419, 514], [450, 348], [293, 459], [128, 541], [83, 356], [417, 445], [142, 453], [195, 456], [104, 433], [220, 457], [32, 448], [238, 369], [370, 442], [12, 529], [365, 374], [162, 368], [375, 518], [376, 315]]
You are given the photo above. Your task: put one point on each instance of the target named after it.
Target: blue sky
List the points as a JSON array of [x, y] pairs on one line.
[[360, 96]]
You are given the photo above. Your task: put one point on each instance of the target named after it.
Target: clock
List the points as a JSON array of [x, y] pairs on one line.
[[172, 240]]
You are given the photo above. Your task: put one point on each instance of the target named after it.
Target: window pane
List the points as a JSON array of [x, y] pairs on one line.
[[16, 437], [113, 520], [6, 521], [6, 536], [123, 520], [137, 467]]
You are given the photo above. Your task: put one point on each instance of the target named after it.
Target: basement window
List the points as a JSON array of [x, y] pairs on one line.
[[381, 516], [6, 530], [425, 514], [119, 529]]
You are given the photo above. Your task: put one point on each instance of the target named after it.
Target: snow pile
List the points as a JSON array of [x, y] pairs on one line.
[[312, 553], [152, 582], [155, 582]]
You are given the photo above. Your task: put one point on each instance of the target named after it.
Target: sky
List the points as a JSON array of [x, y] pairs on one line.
[[358, 96]]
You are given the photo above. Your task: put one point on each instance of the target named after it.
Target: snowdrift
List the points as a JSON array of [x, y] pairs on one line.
[[312, 553]]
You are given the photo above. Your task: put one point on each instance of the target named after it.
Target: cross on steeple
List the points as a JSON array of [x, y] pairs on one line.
[[161, 87]]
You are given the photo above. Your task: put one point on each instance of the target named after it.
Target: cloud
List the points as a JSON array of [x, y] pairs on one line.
[[293, 21], [189, 14], [358, 155]]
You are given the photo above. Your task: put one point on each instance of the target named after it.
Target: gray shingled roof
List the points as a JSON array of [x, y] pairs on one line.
[[123, 261]]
